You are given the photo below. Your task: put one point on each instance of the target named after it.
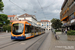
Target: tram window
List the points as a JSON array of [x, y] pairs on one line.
[[35, 29], [32, 29], [17, 28], [39, 29], [27, 29]]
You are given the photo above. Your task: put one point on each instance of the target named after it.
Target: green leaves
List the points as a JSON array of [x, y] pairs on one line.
[[71, 32], [1, 5], [3, 20], [6, 27], [56, 23]]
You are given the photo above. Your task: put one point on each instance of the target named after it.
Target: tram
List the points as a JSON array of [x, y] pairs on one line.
[[25, 29]]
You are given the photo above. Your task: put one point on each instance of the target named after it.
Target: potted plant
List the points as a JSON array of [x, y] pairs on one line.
[[58, 31], [71, 35]]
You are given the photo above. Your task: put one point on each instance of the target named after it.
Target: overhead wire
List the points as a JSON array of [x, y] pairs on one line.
[[17, 5], [42, 9]]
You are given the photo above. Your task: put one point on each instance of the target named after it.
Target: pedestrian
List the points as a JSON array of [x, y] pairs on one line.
[[66, 31], [62, 31]]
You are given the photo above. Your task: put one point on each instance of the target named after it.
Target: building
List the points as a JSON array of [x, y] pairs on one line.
[[67, 14], [45, 24], [38, 23], [26, 16], [11, 17], [16, 17]]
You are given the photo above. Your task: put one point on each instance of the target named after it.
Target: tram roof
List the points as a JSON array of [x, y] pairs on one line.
[[33, 24]]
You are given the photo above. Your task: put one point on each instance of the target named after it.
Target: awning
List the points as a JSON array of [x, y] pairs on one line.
[[64, 18], [67, 25], [73, 23]]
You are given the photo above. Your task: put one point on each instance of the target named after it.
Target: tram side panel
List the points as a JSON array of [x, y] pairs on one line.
[[29, 31]]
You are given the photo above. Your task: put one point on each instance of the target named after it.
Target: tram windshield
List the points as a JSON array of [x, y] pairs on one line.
[[17, 28]]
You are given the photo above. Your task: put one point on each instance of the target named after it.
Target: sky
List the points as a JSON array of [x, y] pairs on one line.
[[42, 9]]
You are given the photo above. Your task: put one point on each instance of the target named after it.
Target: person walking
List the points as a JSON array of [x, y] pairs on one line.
[[62, 31], [66, 31]]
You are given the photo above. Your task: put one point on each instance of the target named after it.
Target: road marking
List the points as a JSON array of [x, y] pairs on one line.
[[23, 43]]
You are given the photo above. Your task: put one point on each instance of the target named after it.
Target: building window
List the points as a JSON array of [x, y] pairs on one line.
[[71, 16], [71, 5], [42, 24]]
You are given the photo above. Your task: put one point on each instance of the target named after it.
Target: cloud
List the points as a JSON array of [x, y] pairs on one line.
[[51, 8], [56, 11]]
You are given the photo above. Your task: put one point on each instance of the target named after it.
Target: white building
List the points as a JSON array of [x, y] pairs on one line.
[[16, 17], [11, 17], [45, 24], [26, 16]]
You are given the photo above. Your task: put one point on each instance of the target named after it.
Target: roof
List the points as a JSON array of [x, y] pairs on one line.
[[45, 21], [25, 15], [13, 20], [11, 15]]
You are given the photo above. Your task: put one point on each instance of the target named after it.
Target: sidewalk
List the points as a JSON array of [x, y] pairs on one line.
[[4, 32], [62, 43]]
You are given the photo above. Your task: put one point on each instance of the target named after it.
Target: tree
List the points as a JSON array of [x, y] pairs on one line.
[[1, 5], [56, 23], [3, 20]]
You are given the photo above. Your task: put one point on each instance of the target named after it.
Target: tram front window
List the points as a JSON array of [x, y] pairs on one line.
[[17, 28]]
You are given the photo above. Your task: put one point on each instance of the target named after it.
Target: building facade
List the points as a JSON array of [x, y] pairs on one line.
[[11, 17], [26, 16], [67, 14], [45, 24]]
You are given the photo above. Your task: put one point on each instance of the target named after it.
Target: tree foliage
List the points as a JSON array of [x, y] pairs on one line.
[[56, 23], [7, 27], [1, 5], [3, 20]]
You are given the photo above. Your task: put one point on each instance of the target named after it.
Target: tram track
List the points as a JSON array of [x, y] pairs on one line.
[[37, 44], [8, 44], [5, 43], [42, 42]]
